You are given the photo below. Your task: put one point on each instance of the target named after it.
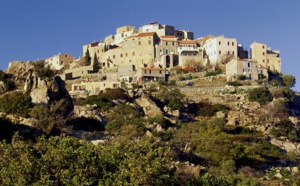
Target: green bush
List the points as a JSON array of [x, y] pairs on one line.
[[42, 71], [213, 73], [113, 94], [241, 77], [234, 83], [274, 82], [261, 95], [16, 103]]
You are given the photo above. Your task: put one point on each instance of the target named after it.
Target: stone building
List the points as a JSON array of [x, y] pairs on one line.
[[149, 74], [251, 69], [59, 61], [188, 54], [265, 56], [93, 87], [219, 47]]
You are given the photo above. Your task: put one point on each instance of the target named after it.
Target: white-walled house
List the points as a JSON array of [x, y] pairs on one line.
[[59, 61], [217, 47]]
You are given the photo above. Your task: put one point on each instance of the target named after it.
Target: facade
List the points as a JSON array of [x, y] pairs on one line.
[[79, 72], [188, 54], [123, 32], [219, 47], [265, 56], [59, 61], [149, 74], [96, 50], [87, 87], [251, 69]]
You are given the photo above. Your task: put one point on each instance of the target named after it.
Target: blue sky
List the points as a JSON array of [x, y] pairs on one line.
[[36, 29]]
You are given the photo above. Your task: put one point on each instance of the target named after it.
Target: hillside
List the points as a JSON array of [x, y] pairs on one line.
[[187, 131]]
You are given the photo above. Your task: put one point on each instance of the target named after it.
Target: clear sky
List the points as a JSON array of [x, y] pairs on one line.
[[38, 29]]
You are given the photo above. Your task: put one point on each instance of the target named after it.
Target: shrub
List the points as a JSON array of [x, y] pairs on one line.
[[42, 71], [289, 80], [160, 120], [274, 82], [241, 77], [16, 103], [87, 124], [113, 94], [234, 83], [261, 95], [213, 73]]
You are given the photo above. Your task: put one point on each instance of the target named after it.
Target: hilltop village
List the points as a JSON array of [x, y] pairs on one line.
[[152, 51], [151, 106]]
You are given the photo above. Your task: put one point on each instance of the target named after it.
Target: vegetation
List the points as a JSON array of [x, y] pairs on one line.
[[171, 97], [289, 80], [88, 58], [16, 103], [234, 83], [260, 95], [213, 73], [5, 78], [42, 71], [206, 109]]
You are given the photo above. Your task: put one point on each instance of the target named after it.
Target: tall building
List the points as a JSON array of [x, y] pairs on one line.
[[265, 56]]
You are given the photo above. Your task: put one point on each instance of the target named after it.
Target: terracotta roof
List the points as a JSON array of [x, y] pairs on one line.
[[187, 42], [144, 34], [169, 38], [94, 44]]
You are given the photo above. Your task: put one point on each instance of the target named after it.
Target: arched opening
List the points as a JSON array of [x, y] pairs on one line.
[[167, 61]]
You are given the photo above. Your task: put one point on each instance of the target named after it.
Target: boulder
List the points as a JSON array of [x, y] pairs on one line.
[[88, 111], [220, 114], [3, 87], [149, 106], [46, 91]]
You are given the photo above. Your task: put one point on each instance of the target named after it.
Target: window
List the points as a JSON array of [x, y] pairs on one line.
[[121, 55], [173, 43], [66, 55], [97, 51], [149, 42], [219, 51], [145, 71], [249, 64], [232, 52], [114, 56], [149, 71], [115, 85], [219, 42], [232, 43], [228, 43], [263, 60], [160, 71], [167, 43], [167, 51], [263, 47], [263, 53], [139, 43], [126, 54], [133, 53]]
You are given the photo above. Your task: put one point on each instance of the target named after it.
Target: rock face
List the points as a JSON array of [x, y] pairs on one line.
[[19, 71], [89, 111], [47, 90], [3, 87], [149, 107], [286, 145]]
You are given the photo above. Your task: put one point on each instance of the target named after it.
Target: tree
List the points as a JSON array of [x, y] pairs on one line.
[[289, 80], [42, 71], [88, 57], [171, 97], [225, 58], [261, 95]]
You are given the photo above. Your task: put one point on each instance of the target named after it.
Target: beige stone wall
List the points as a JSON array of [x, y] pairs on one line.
[[123, 29], [149, 74], [96, 52], [167, 46], [94, 86], [265, 56], [250, 69], [59, 61]]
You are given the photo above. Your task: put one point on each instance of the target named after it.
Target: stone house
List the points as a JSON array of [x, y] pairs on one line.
[[251, 69], [93, 87], [188, 54], [217, 48], [149, 74], [59, 61], [265, 56]]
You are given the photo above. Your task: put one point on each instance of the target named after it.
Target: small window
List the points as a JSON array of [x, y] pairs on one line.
[[97, 51], [126, 54], [228, 43], [160, 71], [263, 47], [167, 51], [232, 43], [249, 64], [114, 56], [232, 52], [219, 51], [133, 53], [219, 42], [263, 53], [121, 55], [149, 71], [139, 43], [66, 55], [145, 71], [149, 42], [173, 43]]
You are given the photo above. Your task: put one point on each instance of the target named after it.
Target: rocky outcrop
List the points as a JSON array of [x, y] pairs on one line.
[[19, 71], [88, 111], [46, 91], [149, 107], [3, 87], [286, 145]]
